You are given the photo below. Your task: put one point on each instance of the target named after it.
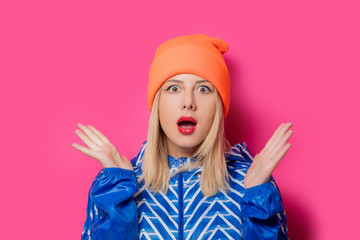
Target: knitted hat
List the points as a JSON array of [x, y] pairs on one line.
[[198, 54]]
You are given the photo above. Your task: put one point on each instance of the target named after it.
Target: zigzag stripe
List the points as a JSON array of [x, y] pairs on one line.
[[228, 210], [153, 227], [158, 218], [171, 188], [141, 153], [191, 187], [236, 181], [236, 204], [212, 230], [193, 199], [232, 227], [169, 201], [198, 205], [236, 192], [144, 233], [199, 219], [225, 233], [237, 154], [229, 213], [158, 205], [246, 152], [240, 172], [212, 218]]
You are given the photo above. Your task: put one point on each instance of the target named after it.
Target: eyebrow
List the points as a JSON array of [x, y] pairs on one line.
[[180, 81]]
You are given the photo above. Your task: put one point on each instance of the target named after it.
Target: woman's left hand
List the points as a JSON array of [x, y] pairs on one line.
[[266, 161]]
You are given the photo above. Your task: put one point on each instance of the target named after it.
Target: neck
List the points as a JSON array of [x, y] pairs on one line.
[[177, 151]]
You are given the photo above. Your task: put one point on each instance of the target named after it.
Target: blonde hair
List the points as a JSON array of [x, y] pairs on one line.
[[210, 154]]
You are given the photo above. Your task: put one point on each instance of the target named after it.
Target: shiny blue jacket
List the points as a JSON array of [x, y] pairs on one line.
[[121, 208]]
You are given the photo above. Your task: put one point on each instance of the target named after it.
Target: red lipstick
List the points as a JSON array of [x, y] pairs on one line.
[[186, 125]]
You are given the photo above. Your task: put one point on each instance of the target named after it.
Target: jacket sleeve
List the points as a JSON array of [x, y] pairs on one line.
[[263, 215], [111, 210]]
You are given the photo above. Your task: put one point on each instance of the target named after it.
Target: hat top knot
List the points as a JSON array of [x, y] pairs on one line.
[[195, 39]]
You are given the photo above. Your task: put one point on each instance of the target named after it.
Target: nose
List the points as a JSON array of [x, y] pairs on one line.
[[188, 101]]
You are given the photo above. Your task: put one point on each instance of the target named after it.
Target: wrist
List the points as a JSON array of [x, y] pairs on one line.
[[249, 182]]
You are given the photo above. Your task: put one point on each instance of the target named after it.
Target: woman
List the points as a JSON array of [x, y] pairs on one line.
[[186, 182]]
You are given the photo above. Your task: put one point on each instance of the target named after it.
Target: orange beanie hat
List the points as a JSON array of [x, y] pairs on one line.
[[198, 54]]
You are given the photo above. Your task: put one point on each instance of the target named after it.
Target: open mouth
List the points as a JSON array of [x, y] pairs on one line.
[[186, 125], [186, 122]]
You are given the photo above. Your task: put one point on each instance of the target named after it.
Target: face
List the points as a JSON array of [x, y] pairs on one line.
[[186, 95]]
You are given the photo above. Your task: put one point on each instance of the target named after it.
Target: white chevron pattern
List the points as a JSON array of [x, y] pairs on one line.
[[203, 218]]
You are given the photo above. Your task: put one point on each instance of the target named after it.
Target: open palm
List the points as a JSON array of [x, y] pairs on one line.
[[266, 161], [100, 148]]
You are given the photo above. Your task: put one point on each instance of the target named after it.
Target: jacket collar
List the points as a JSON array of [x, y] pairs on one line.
[[178, 162]]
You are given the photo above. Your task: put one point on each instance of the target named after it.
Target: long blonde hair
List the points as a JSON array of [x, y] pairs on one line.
[[210, 154]]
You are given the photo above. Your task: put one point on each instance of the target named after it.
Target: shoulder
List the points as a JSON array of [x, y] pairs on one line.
[[136, 161], [239, 156]]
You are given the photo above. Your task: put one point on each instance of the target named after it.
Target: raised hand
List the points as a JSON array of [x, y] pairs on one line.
[[266, 161], [100, 148]]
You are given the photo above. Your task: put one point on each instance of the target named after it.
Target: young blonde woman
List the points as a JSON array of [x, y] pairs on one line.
[[187, 181]]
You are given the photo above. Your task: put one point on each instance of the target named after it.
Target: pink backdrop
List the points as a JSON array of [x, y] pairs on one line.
[[64, 62]]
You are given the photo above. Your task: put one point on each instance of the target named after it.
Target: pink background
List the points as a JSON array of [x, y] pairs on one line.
[[64, 62]]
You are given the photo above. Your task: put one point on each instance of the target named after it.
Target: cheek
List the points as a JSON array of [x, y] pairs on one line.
[[208, 113], [164, 110], [209, 108]]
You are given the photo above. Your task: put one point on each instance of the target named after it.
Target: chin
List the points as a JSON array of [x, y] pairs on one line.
[[187, 143]]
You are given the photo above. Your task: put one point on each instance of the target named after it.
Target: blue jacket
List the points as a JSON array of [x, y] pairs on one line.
[[121, 208]]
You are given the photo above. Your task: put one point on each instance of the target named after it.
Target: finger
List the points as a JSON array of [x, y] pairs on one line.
[[286, 128], [281, 154], [286, 137], [87, 140], [99, 134], [281, 135], [87, 151], [278, 136], [282, 141], [270, 143], [90, 134]]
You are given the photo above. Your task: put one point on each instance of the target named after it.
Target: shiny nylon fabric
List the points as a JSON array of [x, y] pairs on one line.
[[111, 211], [121, 208]]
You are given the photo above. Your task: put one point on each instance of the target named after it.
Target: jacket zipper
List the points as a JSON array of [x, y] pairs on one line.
[[181, 214]]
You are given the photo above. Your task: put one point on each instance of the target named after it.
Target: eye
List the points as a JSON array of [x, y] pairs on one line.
[[204, 89], [173, 88]]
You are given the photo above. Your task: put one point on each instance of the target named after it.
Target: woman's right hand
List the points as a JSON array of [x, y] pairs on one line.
[[100, 148]]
